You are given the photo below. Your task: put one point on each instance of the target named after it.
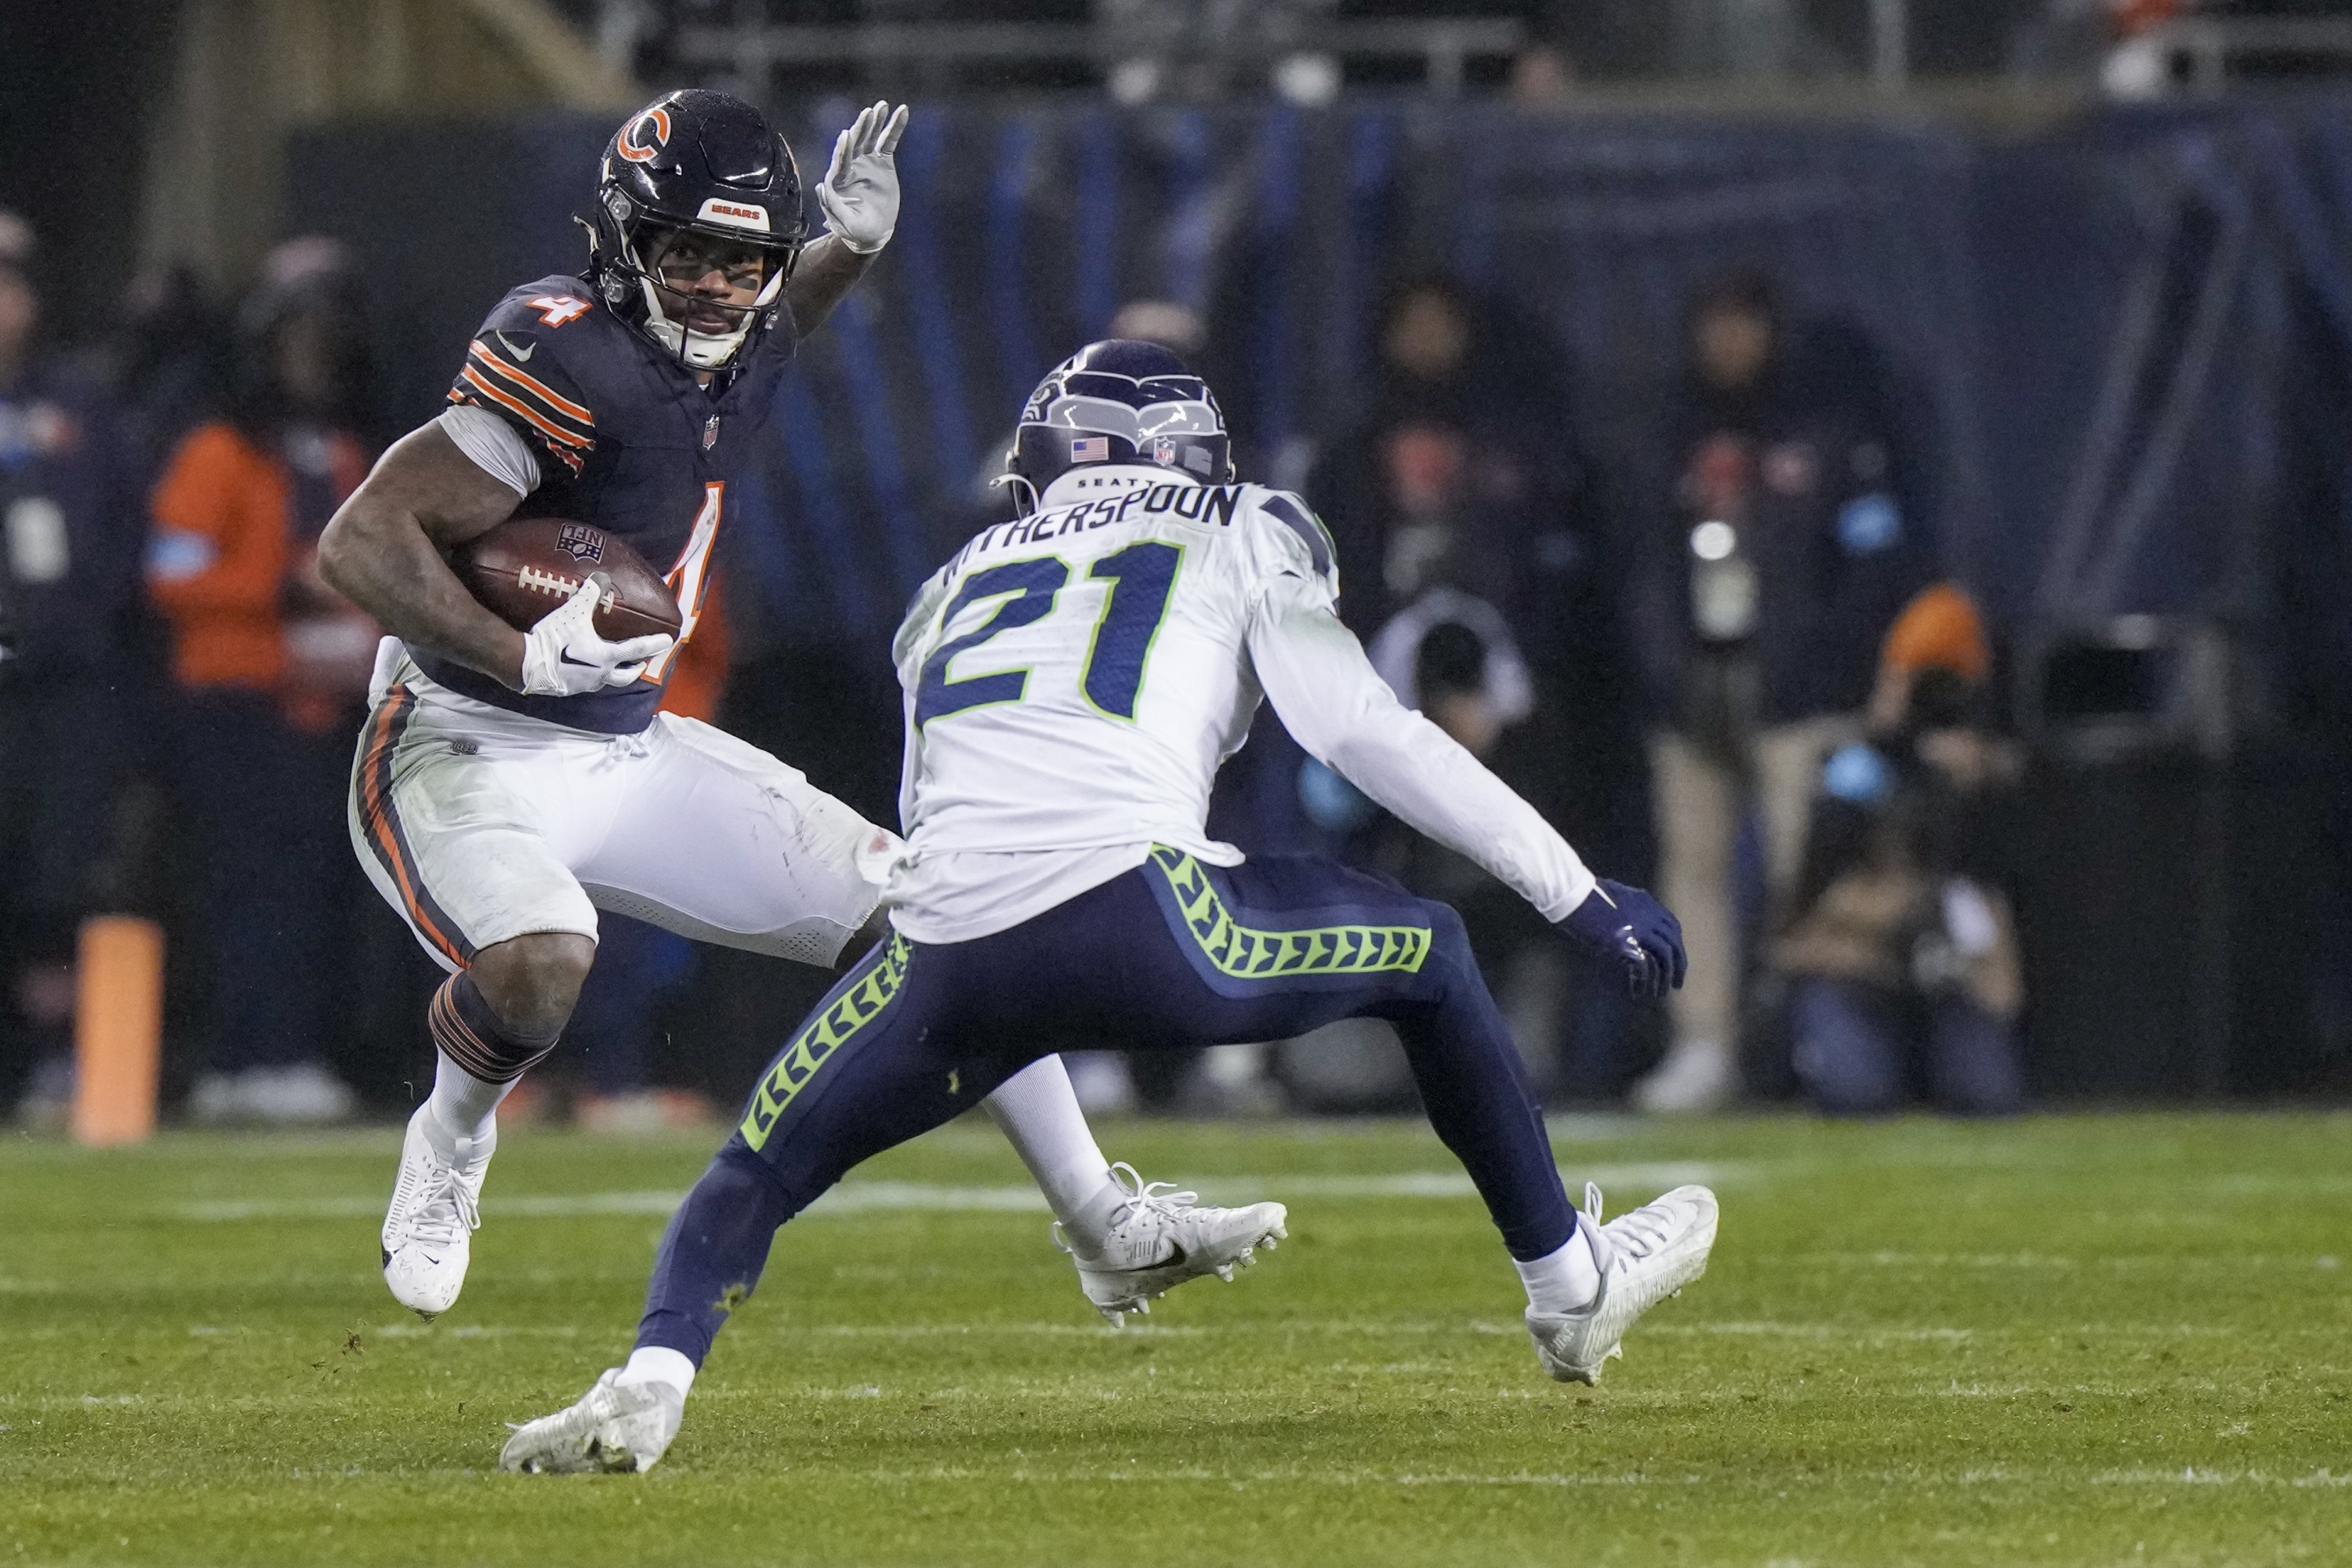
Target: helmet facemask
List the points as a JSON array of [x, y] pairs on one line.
[[668, 307], [702, 166]]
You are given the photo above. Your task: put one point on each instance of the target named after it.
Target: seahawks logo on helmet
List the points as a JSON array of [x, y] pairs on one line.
[[1118, 401]]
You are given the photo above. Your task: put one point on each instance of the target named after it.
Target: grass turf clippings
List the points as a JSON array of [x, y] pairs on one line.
[[2115, 1340]]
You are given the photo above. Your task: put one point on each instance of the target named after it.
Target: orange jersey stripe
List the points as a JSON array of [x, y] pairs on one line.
[[377, 811], [571, 458], [532, 383], [507, 400]]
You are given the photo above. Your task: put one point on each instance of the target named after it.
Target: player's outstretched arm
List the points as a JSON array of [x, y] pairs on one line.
[[383, 551], [1337, 707], [828, 269], [859, 194]]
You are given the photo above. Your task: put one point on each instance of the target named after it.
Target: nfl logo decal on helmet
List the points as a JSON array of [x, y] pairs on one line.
[[1118, 401], [696, 163]]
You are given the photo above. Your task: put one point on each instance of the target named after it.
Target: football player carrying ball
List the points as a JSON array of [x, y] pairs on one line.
[[510, 783]]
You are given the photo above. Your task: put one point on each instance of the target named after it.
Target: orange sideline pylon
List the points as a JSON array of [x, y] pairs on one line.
[[118, 1029]]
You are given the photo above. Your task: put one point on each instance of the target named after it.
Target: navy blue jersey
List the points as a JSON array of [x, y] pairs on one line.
[[625, 441]]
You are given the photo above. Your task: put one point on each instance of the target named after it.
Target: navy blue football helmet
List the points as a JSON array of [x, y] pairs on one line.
[[699, 163], [1118, 401]]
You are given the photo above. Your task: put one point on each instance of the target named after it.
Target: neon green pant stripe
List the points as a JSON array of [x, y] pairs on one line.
[[1247, 954], [826, 1033]]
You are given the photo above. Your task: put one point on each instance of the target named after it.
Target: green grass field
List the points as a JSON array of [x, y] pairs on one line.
[[2101, 1340]]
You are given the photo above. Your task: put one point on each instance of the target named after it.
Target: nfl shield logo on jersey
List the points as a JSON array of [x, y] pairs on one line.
[[1163, 452], [581, 543]]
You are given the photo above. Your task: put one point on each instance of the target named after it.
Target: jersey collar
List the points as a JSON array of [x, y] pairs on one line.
[[1091, 483]]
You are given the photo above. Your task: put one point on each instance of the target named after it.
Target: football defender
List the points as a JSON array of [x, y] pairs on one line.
[[1073, 678], [509, 784]]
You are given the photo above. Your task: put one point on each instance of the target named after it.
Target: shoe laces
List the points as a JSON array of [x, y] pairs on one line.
[[1640, 1231], [1160, 1201], [1149, 1200], [445, 1209]]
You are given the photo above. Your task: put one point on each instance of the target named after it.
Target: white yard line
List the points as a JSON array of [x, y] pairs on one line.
[[864, 1198]]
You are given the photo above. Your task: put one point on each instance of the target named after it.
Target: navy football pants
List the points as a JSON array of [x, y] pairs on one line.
[[1174, 954]]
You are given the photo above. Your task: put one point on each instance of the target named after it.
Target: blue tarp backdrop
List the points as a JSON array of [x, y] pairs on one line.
[[2103, 323], [2126, 338]]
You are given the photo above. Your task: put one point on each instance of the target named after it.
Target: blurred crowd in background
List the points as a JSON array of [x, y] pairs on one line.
[[1538, 50], [1658, 451], [1744, 684]]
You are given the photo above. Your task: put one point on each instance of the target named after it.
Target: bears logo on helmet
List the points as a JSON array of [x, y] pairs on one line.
[[698, 162], [637, 152]]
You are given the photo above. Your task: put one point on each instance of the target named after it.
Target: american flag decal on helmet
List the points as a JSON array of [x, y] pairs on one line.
[[1090, 450]]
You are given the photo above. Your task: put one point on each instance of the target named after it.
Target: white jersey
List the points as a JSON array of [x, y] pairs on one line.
[[1074, 679]]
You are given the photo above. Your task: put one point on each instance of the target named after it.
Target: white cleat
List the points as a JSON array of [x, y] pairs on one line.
[[428, 1232], [1161, 1238], [1646, 1255], [615, 1427]]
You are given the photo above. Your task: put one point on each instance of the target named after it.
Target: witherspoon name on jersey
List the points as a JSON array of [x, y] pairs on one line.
[[1209, 505], [1072, 678]]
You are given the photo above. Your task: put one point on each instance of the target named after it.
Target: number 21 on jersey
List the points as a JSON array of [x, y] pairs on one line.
[[1140, 576]]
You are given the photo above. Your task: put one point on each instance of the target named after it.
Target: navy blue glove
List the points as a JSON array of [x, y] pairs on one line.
[[1633, 931]]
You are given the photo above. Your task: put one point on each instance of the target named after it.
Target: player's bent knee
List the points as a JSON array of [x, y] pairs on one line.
[[532, 982], [1448, 937], [862, 940]]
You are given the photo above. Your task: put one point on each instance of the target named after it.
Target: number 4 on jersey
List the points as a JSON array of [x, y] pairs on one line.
[[557, 309], [691, 575], [1141, 578]]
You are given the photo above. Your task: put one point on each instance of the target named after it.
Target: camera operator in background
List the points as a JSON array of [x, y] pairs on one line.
[[69, 588], [271, 668], [1471, 541], [1900, 949], [1787, 533]]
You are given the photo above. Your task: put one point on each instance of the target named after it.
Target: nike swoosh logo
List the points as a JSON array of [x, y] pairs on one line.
[[518, 353], [1175, 1258]]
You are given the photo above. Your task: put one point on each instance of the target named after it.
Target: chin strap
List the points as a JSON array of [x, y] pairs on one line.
[[1024, 494], [703, 351]]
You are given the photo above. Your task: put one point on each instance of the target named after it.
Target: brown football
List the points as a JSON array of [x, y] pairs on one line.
[[527, 567]]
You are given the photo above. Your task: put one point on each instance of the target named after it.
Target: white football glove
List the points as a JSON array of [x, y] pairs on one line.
[[860, 192], [563, 656]]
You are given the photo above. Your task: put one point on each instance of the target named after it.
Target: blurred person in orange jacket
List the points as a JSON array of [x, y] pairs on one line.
[[271, 668]]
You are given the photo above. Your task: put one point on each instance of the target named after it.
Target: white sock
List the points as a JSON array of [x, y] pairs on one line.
[[658, 1363], [1563, 1280], [1037, 1111], [464, 1109]]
